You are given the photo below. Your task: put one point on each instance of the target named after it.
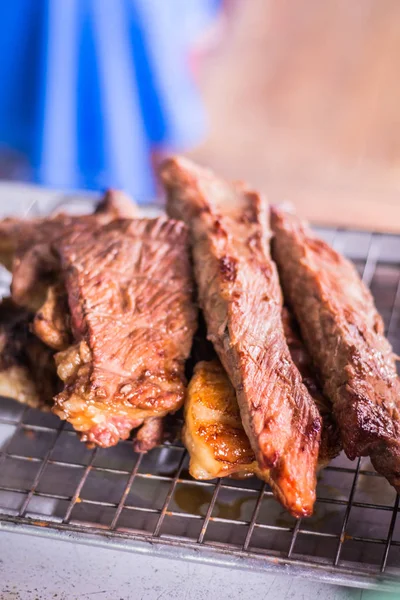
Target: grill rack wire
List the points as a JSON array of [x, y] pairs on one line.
[[50, 481]]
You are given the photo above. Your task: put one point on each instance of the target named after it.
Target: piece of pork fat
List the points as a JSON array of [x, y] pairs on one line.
[[130, 294], [26, 246], [116, 204], [345, 336], [241, 299], [52, 324], [213, 431]]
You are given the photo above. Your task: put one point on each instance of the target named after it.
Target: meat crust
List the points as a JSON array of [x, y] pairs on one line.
[[26, 246], [345, 336], [331, 444], [150, 435], [130, 294], [213, 432], [241, 299]]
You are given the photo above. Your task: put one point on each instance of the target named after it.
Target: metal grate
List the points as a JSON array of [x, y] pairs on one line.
[[49, 479]]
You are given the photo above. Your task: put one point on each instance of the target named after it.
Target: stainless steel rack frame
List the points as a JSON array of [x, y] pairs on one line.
[[51, 484]]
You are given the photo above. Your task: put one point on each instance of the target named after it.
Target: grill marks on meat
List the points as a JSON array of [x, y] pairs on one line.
[[345, 336], [213, 432], [130, 296], [100, 421], [26, 246], [240, 295], [27, 370]]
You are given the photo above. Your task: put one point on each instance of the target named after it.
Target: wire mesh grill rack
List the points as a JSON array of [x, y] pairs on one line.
[[48, 478]]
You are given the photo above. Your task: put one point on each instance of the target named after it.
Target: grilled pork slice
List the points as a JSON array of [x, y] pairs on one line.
[[150, 435], [345, 336], [27, 369], [26, 246], [331, 444], [52, 325], [213, 432], [241, 299], [130, 293]]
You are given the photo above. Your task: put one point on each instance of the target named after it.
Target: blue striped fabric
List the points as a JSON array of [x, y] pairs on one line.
[[90, 87]]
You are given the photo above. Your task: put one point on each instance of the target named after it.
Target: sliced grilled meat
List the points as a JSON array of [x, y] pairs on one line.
[[117, 205], [345, 336], [149, 435], [331, 444], [27, 369], [52, 322], [241, 299], [213, 432], [130, 293], [26, 246]]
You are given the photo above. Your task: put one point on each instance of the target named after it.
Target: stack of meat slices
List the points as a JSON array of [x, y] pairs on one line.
[[27, 370], [101, 320], [110, 297], [273, 405]]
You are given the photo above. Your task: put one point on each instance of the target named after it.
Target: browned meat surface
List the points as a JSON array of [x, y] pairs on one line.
[[52, 322], [213, 432], [331, 444], [130, 293], [241, 299], [149, 435], [27, 369], [345, 336], [34, 265], [117, 205], [26, 246]]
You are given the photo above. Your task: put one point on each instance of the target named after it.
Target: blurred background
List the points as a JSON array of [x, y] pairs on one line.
[[299, 98]]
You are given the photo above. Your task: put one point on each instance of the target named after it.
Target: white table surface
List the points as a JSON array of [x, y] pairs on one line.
[[36, 568]]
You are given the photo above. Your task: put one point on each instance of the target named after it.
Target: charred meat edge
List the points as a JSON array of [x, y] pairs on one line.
[[345, 336], [241, 299], [105, 421]]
